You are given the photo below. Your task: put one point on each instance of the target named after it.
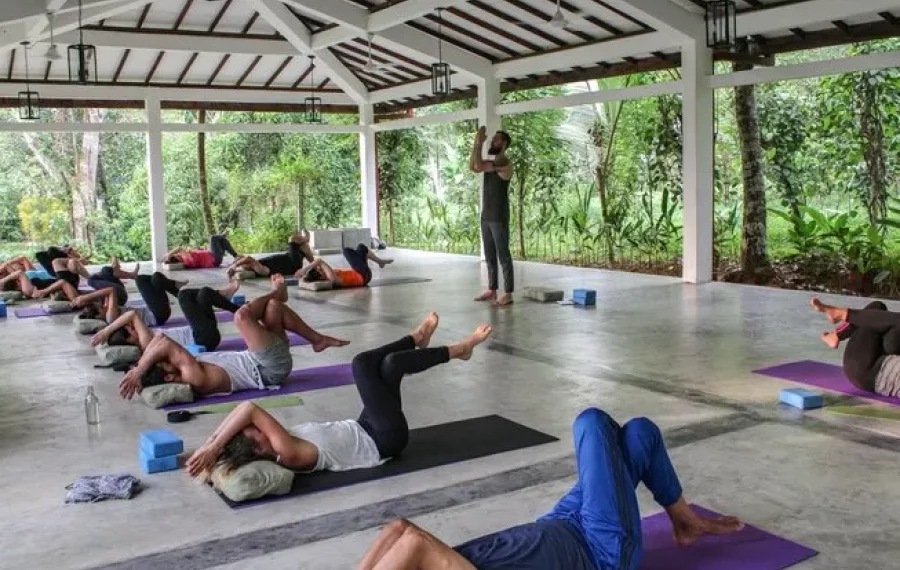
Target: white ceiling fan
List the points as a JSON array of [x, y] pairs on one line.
[[559, 20], [370, 66]]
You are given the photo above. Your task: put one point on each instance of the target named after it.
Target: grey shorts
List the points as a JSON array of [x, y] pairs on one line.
[[274, 362]]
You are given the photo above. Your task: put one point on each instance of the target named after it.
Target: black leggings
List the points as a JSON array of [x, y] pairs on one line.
[[378, 374], [284, 263], [106, 279], [155, 290], [69, 277], [219, 246], [198, 306], [45, 258], [873, 333], [359, 261]]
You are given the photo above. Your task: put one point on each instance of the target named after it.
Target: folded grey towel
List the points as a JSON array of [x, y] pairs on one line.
[[101, 487]]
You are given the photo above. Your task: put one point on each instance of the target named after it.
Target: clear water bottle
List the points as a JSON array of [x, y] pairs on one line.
[[92, 407]]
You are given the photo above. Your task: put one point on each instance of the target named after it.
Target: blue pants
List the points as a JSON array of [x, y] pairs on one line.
[[612, 460], [106, 279]]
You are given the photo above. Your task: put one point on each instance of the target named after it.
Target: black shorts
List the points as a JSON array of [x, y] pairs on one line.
[[72, 278]]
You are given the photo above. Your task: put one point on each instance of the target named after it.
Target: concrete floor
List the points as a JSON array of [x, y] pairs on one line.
[[677, 353]]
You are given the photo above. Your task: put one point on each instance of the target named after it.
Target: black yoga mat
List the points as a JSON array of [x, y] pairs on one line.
[[385, 281], [428, 447]]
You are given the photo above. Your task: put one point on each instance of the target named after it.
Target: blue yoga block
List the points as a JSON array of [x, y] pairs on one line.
[[195, 349], [801, 398], [291, 281], [2, 310], [157, 464], [160, 443], [239, 299], [584, 297]]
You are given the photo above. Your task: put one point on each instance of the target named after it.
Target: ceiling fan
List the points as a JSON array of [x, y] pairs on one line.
[[370, 66], [559, 20]]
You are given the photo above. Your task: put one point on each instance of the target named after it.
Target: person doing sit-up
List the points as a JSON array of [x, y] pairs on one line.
[[282, 263], [202, 258], [358, 276], [596, 526], [249, 433], [263, 323], [872, 355], [133, 327]]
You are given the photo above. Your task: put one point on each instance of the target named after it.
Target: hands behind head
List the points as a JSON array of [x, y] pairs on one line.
[[100, 338], [204, 459], [130, 384]]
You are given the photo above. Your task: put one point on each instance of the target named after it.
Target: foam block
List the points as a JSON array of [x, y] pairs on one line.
[[160, 443], [239, 299], [157, 464], [584, 296], [172, 266], [543, 294], [2, 309], [801, 398], [195, 349]]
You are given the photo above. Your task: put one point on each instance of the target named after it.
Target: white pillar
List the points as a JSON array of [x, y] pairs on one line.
[[156, 190], [488, 99], [367, 169], [697, 66]]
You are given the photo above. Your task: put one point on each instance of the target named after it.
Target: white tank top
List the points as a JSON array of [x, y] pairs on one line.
[[240, 367], [342, 445], [146, 316], [182, 335]]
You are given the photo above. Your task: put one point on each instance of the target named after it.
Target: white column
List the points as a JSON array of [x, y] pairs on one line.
[[488, 99], [156, 190], [697, 66], [367, 169]]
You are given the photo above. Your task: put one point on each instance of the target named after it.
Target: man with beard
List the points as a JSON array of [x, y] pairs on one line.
[[495, 212]]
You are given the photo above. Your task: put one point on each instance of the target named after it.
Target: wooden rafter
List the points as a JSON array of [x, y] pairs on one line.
[[249, 70], [183, 14], [483, 6], [121, 65], [278, 71], [187, 68], [153, 68], [219, 67], [215, 23]]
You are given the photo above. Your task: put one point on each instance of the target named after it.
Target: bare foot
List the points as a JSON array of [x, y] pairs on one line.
[[422, 335], [488, 295], [504, 300], [463, 350], [384, 262], [280, 288], [690, 529], [229, 290], [328, 342], [831, 339], [114, 262], [832, 313]]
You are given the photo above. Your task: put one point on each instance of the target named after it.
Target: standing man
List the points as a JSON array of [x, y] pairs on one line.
[[495, 212]]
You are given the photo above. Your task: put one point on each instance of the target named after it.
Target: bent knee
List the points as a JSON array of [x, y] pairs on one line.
[[877, 305], [645, 426], [399, 526], [593, 418], [243, 316]]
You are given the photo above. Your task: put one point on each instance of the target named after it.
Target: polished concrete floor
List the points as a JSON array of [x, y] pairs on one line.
[[653, 346]]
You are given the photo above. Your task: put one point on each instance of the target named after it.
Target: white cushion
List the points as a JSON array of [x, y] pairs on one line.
[[315, 285], [543, 294], [172, 266]]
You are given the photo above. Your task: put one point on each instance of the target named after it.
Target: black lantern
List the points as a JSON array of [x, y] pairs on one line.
[[29, 101], [721, 24], [312, 105], [440, 71], [82, 58]]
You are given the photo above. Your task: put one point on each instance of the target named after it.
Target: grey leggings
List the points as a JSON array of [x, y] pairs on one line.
[[495, 237]]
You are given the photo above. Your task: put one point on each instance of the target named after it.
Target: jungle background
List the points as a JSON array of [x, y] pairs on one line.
[[806, 189]]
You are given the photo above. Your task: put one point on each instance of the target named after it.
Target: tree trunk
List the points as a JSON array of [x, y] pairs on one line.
[[753, 245], [84, 199], [873, 150], [300, 205], [201, 175], [521, 213], [390, 209]]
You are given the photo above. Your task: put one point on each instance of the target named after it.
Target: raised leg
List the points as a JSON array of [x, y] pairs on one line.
[[416, 549], [201, 316]]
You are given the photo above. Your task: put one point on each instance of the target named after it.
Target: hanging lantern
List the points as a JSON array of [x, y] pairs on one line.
[[82, 58], [312, 105], [29, 101], [721, 24], [440, 71]]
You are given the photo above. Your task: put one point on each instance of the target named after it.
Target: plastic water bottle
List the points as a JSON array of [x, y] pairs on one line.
[[92, 407]]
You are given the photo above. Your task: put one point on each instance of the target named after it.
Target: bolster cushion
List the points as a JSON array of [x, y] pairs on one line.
[[166, 394], [253, 480], [245, 274], [543, 294], [117, 355], [10, 297], [315, 285], [172, 266], [53, 307], [88, 326]]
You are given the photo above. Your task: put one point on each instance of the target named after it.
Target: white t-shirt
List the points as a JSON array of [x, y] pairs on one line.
[[146, 315], [182, 335], [342, 445], [240, 367]]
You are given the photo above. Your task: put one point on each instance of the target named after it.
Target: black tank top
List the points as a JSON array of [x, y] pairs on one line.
[[495, 198]]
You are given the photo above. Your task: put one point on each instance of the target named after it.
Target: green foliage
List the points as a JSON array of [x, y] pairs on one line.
[[44, 220]]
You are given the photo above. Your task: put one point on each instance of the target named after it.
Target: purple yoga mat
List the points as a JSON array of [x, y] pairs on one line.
[[824, 376], [750, 549], [298, 381], [180, 321], [238, 343]]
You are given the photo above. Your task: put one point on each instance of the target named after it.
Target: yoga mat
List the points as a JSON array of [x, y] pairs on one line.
[[238, 343], [824, 376], [266, 403], [298, 381], [865, 412], [181, 321], [750, 549], [385, 281], [428, 447]]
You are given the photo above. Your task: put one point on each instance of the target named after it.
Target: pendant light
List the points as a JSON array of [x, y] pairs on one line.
[[52, 53], [440, 71], [721, 24], [82, 58], [29, 101], [312, 105]]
